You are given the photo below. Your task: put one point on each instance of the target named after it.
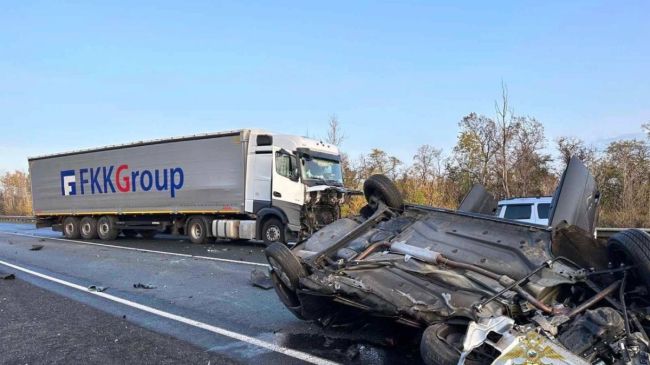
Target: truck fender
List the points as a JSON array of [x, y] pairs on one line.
[[264, 213]]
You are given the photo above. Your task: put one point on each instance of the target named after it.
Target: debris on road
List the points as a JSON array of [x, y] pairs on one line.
[[97, 288], [7, 276], [143, 286], [261, 279], [36, 247]]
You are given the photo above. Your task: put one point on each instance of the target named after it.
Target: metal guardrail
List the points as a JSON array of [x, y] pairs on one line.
[[17, 219]]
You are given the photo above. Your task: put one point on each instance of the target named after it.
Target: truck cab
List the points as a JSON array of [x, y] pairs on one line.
[[297, 185]]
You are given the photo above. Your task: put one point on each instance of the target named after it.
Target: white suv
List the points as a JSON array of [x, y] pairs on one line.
[[530, 210]]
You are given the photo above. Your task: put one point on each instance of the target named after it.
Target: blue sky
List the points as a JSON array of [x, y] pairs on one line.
[[398, 74]]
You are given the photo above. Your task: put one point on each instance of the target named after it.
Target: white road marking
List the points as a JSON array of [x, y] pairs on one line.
[[139, 249], [220, 331]]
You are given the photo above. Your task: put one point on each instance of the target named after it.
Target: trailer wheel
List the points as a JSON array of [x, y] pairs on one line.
[[107, 228], [273, 231], [197, 230], [88, 228], [147, 234], [71, 228]]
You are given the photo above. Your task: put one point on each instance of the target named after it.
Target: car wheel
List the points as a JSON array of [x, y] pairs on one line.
[[130, 233], [632, 247], [285, 265], [382, 188], [441, 344], [88, 228], [273, 231], [286, 271], [107, 228], [71, 228], [197, 231]]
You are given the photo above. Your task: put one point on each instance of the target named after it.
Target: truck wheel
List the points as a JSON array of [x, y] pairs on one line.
[[88, 228], [107, 228], [148, 234], [441, 344], [71, 228], [197, 231], [130, 233], [273, 231], [632, 247], [382, 188]]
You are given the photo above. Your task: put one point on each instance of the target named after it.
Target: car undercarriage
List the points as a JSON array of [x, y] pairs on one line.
[[483, 289]]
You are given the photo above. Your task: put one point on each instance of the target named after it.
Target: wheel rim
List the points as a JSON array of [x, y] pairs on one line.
[[69, 228], [85, 229], [273, 234], [197, 231], [103, 228]]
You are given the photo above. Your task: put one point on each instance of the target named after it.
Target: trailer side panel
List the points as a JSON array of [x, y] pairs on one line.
[[203, 174]]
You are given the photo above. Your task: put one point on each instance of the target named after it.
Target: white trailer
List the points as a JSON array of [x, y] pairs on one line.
[[244, 184]]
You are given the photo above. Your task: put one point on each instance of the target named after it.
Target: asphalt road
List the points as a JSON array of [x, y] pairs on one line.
[[202, 309]]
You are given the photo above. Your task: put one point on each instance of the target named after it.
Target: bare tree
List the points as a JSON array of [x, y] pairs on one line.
[[572, 146], [426, 163], [504, 133], [334, 134]]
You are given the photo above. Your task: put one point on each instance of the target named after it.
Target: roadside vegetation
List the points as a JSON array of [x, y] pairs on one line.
[[511, 156], [507, 153]]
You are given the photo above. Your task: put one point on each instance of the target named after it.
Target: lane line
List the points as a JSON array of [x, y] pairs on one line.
[[220, 331], [139, 249]]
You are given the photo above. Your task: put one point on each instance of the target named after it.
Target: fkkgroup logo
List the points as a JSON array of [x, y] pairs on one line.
[[68, 183], [102, 180]]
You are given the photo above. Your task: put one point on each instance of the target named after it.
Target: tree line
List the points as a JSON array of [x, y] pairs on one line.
[[508, 154]]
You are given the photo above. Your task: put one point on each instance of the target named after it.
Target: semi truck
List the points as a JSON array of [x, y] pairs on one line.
[[243, 184]]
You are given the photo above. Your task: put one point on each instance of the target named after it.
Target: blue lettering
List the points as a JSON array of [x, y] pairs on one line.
[[68, 184], [171, 179], [94, 180], [107, 178], [134, 175], [162, 186], [146, 186], [176, 184], [82, 180]]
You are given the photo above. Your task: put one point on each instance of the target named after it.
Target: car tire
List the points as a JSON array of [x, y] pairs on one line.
[[632, 247], [441, 343], [285, 264], [88, 228], [71, 228], [382, 188], [197, 230], [107, 228], [286, 271], [130, 233], [273, 231]]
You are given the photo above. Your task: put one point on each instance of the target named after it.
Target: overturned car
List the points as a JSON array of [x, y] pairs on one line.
[[483, 289]]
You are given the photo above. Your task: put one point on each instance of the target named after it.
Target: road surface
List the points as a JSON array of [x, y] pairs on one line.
[[202, 307]]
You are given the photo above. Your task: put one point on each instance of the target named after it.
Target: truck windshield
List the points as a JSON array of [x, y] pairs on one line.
[[321, 169]]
